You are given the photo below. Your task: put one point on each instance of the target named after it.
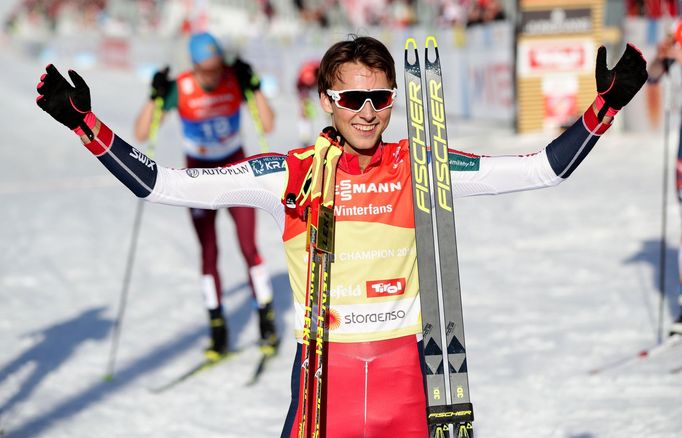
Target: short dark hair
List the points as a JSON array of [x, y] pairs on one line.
[[363, 49]]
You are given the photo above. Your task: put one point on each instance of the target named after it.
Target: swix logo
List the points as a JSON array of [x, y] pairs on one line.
[[139, 156], [385, 288], [346, 189]]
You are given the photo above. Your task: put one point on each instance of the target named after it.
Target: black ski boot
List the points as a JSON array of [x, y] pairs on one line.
[[269, 341], [219, 335]]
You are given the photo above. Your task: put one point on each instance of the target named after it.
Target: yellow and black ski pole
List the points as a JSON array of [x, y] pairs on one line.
[[258, 123]]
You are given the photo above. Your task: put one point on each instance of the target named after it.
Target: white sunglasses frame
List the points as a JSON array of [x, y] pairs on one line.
[[335, 95]]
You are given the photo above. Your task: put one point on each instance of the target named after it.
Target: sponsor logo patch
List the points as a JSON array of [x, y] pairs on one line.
[[265, 165], [463, 163], [346, 189], [342, 291], [373, 317], [229, 170], [362, 210], [385, 288], [334, 319], [139, 156]]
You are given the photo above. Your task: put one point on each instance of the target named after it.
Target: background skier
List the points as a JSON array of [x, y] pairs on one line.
[[208, 99]]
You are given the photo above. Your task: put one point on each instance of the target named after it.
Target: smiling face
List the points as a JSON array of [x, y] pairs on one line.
[[362, 130]]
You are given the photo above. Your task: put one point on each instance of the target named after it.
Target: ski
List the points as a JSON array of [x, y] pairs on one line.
[[262, 362], [646, 353], [449, 408], [198, 368]]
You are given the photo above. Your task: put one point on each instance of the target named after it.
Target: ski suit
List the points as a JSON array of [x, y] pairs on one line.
[[210, 125], [374, 375]]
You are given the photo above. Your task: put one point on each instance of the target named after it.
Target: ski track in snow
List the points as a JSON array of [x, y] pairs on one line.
[[555, 282]]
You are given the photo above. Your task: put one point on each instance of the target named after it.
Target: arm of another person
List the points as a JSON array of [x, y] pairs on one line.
[[265, 112], [483, 175], [143, 121], [250, 84], [161, 88], [667, 52], [257, 182]]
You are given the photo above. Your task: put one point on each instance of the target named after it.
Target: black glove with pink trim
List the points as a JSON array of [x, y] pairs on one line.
[[616, 87], [68, 104]]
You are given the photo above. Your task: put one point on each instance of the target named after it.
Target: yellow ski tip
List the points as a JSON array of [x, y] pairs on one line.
[[431, 39], [412, 42]]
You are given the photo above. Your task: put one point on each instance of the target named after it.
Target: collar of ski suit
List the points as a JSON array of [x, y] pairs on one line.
[[350, 163]]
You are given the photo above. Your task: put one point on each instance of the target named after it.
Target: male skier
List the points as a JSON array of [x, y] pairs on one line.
[[374, 378]]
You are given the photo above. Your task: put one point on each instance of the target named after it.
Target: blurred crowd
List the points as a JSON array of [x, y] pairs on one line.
[[78, 14], [46, 14], [392, 13], [652, 8], [85, 14]]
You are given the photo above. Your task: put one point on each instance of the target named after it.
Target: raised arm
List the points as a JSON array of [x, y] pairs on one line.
[[250, 84], [256, 182], [160, 88], [668, 51], [479, 175]]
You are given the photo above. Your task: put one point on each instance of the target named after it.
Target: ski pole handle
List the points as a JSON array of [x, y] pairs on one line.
[[154, 126]]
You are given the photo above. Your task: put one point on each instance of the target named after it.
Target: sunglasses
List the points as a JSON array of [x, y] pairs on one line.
[[354, 100]]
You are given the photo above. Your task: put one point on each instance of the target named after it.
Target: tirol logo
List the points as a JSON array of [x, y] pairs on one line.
[[265, 165], [385, 288], [192, 172]]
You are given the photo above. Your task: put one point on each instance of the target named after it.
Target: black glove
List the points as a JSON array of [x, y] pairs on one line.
[[161, 84], [248, 80], [619, 85], [67, 104]]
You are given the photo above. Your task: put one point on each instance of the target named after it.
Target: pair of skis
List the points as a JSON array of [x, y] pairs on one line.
[[209, 363], [449, 408]]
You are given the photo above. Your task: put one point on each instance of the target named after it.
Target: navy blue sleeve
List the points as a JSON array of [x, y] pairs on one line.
[[130, 166], [568, 150]]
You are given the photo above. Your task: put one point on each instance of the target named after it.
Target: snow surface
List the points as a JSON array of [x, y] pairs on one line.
[[555, 283]]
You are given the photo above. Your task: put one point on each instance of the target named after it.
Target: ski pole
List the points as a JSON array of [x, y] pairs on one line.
[[664, 206], [255, 115], [123, 298], [320, 231]]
